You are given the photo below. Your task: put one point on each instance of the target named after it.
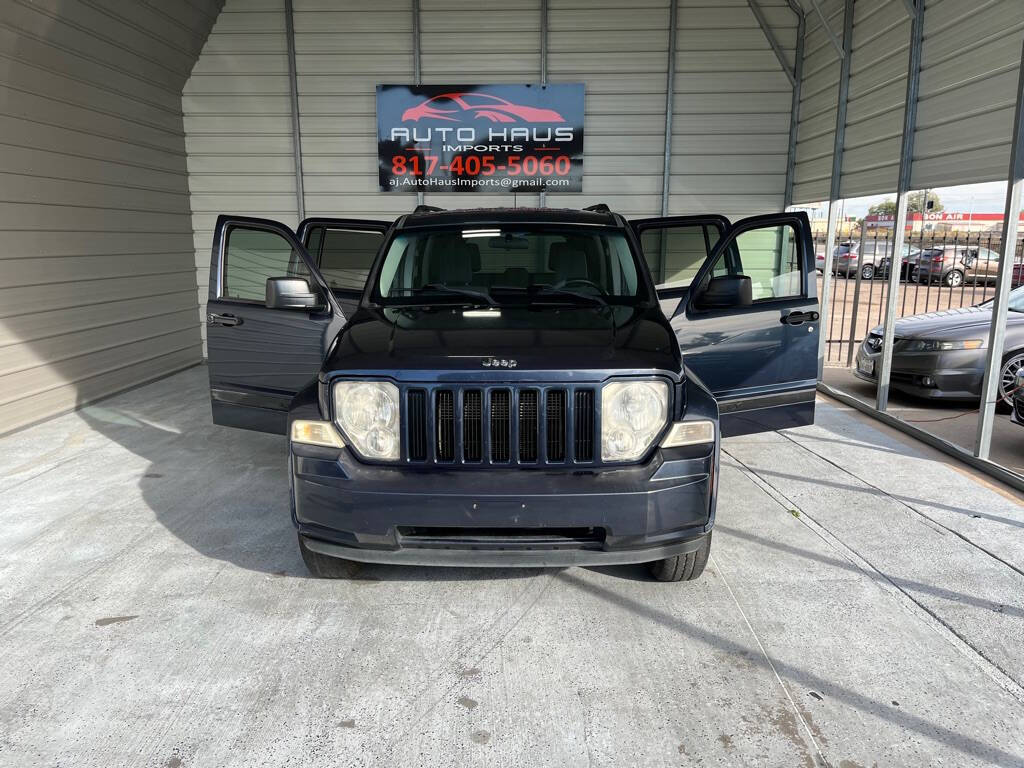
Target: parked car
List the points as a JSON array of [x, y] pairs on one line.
[[954, 265], [875, 261], [941, 355], [506, 389]]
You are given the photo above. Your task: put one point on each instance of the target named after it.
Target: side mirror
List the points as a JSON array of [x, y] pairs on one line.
[[726, 293], [290, 293]]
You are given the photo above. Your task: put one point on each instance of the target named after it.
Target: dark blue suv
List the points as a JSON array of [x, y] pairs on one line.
[[511, 387]]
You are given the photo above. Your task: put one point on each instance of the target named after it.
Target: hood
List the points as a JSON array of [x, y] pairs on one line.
[[945, 324], [539, 338]]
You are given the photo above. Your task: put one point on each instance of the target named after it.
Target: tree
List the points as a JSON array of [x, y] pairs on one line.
[[915, 204]]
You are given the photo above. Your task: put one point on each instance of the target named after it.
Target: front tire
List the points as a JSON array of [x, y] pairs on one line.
[[1012, 363], [682, 567], [324, 566]]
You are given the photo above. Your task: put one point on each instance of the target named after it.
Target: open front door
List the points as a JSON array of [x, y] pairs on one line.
[[747, 320], [343, 250], [270, 318]]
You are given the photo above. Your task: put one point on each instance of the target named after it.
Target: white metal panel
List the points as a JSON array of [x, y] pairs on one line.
[[237, 119], [343, 51], [878, 86], [97, 277], [621, 52], [730, 123], [969, 62], [819, 99]]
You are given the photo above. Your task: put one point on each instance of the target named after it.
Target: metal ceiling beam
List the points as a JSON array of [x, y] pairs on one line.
[[837, 169], [417, 72], [670, 88], [794, 110], [828, 30], [293, 93], [902, 187], [543, 68], [776, 48]]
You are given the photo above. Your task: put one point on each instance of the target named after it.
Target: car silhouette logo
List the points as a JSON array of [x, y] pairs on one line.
[[462, 106]]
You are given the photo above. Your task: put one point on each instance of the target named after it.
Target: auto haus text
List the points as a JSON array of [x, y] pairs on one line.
[[467, 138]]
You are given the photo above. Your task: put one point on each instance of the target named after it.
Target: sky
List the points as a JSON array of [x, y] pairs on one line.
[[989, 197]]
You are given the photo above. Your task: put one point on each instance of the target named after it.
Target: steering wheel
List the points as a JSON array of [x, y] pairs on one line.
[[579, 281]]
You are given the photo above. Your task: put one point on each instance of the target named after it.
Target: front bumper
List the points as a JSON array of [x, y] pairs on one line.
[[954, 374], [503, 517]]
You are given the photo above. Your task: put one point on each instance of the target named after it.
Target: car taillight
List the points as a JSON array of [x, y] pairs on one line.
[[937, 258]]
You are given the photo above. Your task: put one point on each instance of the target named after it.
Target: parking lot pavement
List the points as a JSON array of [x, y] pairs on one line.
[[864, 605]]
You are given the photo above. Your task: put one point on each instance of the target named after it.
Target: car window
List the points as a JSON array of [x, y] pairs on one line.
[[345, 256], [769, 256], [251, 255], [508, 264], [674, 254]]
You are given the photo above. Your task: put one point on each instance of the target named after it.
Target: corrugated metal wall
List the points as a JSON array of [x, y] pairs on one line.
[[878, 91], [819, 98], [97, 285], [969, 61], [969, 65], [731, 117], [730, 128]]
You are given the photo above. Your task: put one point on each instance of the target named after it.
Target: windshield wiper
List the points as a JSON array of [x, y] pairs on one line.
[[549, 291], [479, 296]]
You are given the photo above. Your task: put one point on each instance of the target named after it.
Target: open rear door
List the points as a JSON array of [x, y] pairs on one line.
[[343, 250], [747, 319], [262, 350]]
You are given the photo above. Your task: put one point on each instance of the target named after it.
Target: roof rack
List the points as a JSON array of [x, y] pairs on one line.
[[598, 208], [426, 209]]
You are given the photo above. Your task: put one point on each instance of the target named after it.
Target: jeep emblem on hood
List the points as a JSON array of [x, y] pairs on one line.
[[494, 362]]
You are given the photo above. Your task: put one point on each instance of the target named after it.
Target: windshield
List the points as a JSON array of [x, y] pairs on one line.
[[1016, 303], [510, 264]]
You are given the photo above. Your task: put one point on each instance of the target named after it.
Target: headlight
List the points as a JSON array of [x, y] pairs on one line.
[[632, 415], [937, 345], [367, 412]]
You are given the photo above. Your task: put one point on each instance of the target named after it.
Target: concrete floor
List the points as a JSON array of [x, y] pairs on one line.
[[864, 605], [955, 422]]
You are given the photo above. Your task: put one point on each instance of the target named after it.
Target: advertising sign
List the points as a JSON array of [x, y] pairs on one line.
[[480, 138]]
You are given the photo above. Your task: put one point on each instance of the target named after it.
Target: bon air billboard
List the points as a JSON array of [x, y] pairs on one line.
[[480, 138]]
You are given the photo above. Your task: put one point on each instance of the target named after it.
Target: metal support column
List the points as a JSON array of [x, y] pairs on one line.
[[543, 68], [670, 86], [902, 187], [293, 92], [417, 75], [794, 110], [837, 170], [1011, 220]]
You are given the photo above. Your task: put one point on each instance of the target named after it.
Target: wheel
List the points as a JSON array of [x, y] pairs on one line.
[[953, 278], [324, 566], [682, 567], [1012, 363], [867, 271]]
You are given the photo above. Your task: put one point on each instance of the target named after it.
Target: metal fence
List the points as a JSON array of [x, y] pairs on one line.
[[938, 271]]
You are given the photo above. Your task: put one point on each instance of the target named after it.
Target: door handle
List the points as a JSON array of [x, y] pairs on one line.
[[799, 318], [228, 320]]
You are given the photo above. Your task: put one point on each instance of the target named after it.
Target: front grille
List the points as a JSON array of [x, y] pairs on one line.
[[503, 425]]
